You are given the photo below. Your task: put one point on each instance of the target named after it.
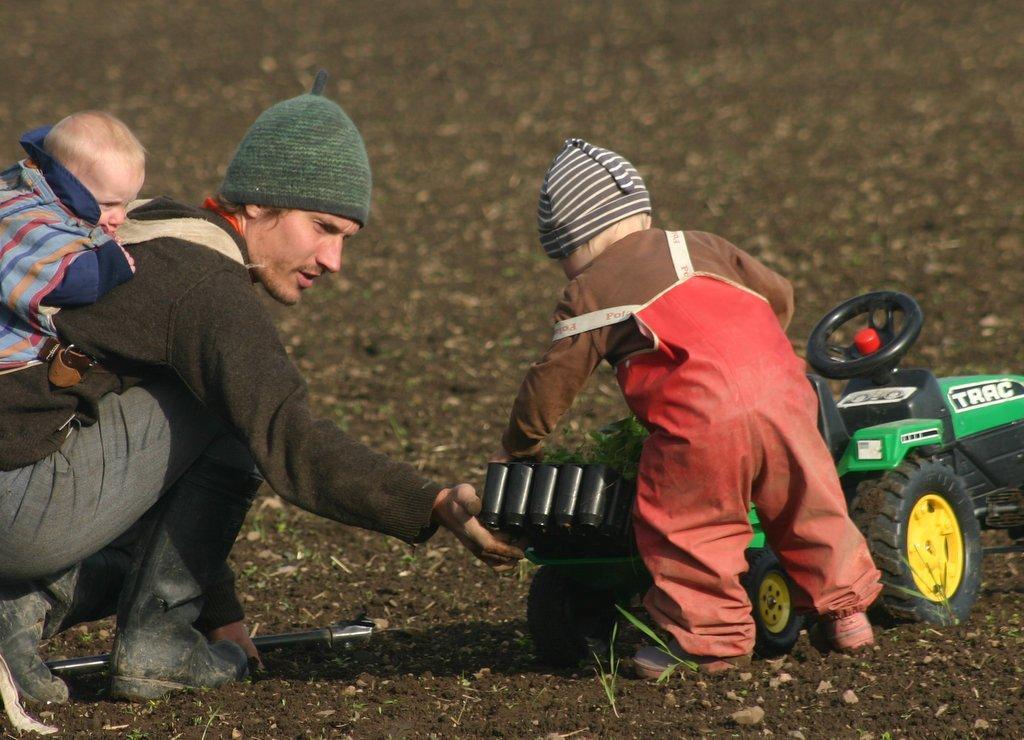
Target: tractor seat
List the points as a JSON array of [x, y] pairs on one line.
[[830, 423]]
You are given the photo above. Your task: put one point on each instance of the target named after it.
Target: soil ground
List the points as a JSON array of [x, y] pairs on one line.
[[851, 145]]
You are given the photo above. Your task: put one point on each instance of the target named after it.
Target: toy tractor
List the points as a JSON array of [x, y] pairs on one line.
[[926, 463]]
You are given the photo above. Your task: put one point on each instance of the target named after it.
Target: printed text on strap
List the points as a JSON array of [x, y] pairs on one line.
[[680, 255], [593, 320]]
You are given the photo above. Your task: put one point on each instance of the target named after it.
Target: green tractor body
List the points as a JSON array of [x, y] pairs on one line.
[[978, 415], [928, 464]]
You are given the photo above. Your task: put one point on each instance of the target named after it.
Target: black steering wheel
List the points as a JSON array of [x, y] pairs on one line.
[[873, 354]]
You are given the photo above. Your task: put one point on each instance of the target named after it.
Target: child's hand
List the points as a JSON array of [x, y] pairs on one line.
[[455, 509]]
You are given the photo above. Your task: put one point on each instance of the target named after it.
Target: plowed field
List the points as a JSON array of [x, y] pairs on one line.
[[850, 145]]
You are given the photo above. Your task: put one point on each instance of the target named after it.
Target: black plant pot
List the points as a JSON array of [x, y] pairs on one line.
[[542, 497], [494, 495], [567, 493], [517, 496]]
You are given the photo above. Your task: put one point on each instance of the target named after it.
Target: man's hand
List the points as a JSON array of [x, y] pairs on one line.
[[455, 509], [238, 633]]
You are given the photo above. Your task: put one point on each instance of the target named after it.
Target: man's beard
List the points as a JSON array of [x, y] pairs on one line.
[[272, 283]]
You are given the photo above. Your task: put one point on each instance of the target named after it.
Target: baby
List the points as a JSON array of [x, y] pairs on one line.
[[694, 327], [59, 214]]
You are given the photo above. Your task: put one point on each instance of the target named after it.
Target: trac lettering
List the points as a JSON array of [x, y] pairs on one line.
[[984, 394]]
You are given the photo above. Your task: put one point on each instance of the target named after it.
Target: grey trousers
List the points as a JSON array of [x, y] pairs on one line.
[[105, 477]]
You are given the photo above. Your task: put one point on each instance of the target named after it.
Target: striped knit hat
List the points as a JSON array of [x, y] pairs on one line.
[[303, 153], [586, 190]]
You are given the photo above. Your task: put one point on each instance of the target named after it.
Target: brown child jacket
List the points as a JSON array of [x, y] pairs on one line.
[[632, 271]]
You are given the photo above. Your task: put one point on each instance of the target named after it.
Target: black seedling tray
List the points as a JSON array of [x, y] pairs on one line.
[[565, 509]]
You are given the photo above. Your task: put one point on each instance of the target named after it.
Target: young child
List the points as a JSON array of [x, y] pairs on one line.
[[695, 328], [59, 213]]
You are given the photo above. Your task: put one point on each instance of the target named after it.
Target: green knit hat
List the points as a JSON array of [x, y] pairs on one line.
[[302, 153]]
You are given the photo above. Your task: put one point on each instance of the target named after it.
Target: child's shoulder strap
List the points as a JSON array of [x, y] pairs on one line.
[[195, 230], [680, 255], [593, 320], [607, 316]]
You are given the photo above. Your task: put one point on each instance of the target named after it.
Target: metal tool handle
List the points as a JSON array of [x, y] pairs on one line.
[[337, 635]]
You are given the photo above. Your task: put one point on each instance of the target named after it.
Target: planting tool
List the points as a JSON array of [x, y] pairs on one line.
[[342, 634]]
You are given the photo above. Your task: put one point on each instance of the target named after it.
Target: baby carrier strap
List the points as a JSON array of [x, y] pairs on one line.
[[606, 316], [196, 230]]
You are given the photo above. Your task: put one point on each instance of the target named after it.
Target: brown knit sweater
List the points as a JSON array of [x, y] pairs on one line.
[[193, 314], [632, 271]]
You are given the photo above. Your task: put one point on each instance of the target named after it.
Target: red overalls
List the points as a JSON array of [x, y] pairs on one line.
[[732, 419]]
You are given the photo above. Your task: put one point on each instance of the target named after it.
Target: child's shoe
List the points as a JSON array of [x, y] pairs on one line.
[[850, 633], [651, 661]]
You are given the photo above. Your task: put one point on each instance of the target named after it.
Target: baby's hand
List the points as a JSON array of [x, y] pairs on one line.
[[127, 256]]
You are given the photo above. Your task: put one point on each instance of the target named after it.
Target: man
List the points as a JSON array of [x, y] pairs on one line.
[[172, 398]]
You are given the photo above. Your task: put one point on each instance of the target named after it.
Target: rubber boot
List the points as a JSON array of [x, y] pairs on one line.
[[41, 609], [183, 542], [87, 592], [23, 611]]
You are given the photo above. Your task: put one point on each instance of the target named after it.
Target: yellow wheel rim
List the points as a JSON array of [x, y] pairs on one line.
[[774, 603], [935, 548]]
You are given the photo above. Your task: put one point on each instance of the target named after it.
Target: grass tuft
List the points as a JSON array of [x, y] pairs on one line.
[[609, 678]]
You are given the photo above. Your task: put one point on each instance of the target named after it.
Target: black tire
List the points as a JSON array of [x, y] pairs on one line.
[[771, 597], [566, 619], [931, 494]]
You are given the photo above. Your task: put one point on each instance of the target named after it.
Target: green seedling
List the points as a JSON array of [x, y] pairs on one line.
[[616, 445], [609, 678], [938, 584], [401, 434], [680, 663], [215, 714], [525, 570]]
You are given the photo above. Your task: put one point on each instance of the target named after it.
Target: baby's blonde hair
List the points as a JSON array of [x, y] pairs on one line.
[[79, 140]]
